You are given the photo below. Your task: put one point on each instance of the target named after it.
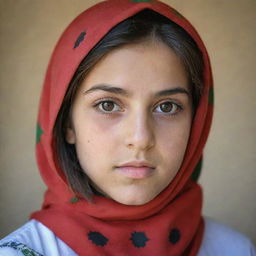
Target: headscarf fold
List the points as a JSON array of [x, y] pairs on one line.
[[171, 223]]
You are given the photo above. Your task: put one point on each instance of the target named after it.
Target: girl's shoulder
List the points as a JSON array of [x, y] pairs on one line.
[[35, 239], [221, 240]]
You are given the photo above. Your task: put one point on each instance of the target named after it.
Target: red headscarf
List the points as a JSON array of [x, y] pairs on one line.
[[170, 224]]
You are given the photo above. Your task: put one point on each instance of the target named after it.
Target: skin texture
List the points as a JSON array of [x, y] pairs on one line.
[[131, 123]]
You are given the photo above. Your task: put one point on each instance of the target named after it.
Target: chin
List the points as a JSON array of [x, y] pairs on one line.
[[134, 200]]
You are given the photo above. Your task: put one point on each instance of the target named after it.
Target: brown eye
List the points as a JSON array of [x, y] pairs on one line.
[[108, 106], [168, 108]]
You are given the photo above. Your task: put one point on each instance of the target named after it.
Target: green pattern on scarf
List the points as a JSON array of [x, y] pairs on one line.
[[74, 200], [211, 96], [177, 14], [197, 171], [39, 133]]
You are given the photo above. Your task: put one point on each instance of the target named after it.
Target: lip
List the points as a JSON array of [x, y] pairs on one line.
[[138, 164], [136, 169]]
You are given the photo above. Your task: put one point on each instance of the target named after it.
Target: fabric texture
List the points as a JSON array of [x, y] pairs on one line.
[[34, 237], [170, 224]]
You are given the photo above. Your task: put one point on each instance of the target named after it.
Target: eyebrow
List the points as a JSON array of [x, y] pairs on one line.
[[121, 91]]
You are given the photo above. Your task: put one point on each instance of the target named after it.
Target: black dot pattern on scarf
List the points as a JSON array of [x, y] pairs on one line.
[[174, 236], [97, 238], [139, 239], [79, 40]]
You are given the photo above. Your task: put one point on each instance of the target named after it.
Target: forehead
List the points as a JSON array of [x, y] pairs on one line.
[[139, 68]]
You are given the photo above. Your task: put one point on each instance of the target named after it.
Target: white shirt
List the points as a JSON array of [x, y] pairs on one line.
[[35, 239]]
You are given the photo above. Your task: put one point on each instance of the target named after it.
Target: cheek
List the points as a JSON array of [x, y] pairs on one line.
[[173, 139], [94, 137], [101, 123]]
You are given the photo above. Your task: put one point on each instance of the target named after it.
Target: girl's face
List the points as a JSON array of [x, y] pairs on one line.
[[131, 122]]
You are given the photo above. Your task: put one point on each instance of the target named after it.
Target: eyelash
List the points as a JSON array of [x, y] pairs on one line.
[[111, 100]]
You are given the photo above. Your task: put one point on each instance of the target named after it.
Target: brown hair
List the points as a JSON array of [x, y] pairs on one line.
[[142, 27]]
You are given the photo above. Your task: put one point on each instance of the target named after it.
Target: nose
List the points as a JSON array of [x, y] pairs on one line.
[[140, 133]]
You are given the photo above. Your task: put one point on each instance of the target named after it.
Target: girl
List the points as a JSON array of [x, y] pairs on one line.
[[124, 115]]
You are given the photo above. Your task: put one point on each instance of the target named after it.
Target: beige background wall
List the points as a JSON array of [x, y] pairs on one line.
[[29, 30]]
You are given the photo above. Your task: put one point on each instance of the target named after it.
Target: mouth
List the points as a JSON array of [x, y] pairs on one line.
[[136, 170]]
